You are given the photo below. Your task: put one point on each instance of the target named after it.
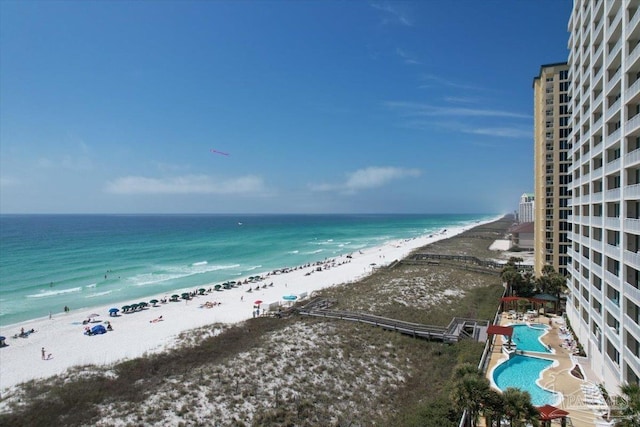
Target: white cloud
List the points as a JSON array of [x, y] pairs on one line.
[[407, 57], [503, 132], [418, 109], [436, 81], [393, 14], [187, 184], [368, 178], [6, 182]]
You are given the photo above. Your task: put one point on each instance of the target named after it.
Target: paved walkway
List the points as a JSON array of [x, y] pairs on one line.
[[557, 378]]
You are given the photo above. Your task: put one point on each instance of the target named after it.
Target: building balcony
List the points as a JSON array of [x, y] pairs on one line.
[[613, 165], [632, 225], [596, 173], [631, 326], [613, 137], [612, 335], [597, 221], [615, 21], [632, 191], [631, 26], [632, 259], [597, 270], [612, 279], [632, 158], [595, 314], [612, 195], [612, 251], [612, 223], [629, 358], [613, 307], [615, 78], [613, 109], [632, 293], [633, 124], [633, 91], [596, 197], [597, 293]]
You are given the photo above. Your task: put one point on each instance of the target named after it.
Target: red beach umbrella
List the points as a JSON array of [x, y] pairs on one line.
[[257, 302]]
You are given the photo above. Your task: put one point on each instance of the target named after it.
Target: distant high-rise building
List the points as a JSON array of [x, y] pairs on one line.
[[525, 208], [603, 304], [551, 167]]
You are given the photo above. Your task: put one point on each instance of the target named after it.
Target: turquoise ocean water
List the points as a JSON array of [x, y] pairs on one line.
[[49, 261]]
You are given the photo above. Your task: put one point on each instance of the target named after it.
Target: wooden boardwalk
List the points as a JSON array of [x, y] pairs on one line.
[[458, 328]]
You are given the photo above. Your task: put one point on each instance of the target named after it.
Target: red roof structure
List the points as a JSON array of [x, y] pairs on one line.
[[548, 413], [500, 330]]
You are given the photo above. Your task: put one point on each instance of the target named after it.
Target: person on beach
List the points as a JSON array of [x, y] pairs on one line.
[[43, 352]]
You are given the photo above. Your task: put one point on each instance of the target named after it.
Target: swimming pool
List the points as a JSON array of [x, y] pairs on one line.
[[523, 372], [527, 337]]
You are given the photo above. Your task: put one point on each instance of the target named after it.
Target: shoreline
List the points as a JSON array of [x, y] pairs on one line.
[[136, 334]]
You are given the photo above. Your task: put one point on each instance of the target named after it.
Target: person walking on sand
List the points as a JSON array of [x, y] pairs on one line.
[[43, 352]]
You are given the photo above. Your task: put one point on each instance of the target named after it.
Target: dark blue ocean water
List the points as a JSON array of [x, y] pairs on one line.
[[49, 261]]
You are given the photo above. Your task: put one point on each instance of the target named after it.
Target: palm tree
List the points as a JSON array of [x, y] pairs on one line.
[[470, 385], [518, 408], [631, 411], [493, 407]]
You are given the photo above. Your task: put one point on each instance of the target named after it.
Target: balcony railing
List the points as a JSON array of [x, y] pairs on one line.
[[632, 157], [613, 194], [632, 191], [612, 250], [613, 165], [631, 292], [613, 108], [613, 137], [632, 259], [635, 87], [611, 278], [612, 222], [615, 77], [633, 21], [616, 20], [632, 225], [633, 124]]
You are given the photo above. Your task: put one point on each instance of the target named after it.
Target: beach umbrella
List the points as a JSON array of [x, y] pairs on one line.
[[257, 302], [133, 307], [201, 291], [91, 316], [185, 295], [217, 287], [175, 297], [113, 311], [126, 308], [154, 302]]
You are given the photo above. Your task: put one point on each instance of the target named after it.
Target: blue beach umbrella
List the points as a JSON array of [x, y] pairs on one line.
[[113, 311]]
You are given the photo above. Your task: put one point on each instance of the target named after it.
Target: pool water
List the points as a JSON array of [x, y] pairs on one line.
[[527, 337], [522, 372]]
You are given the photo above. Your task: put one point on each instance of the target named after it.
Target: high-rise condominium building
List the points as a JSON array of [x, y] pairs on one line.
[[604, 302], [551, 174], [525, 208]]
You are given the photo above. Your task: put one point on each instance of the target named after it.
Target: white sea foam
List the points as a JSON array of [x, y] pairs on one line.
[[98, 294], [93, 285], [254, 267], [317, 251], [195, 264], [293, 252], [54, 293]]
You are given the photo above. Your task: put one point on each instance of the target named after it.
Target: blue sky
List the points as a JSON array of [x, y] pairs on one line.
[[322, 106]]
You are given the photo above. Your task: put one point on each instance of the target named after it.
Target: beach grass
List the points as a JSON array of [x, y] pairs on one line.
[[296, 370]]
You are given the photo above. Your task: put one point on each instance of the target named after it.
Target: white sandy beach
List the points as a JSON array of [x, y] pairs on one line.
[[134, 334]]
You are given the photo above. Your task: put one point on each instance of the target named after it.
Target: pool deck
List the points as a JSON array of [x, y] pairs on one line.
[[557, 378]]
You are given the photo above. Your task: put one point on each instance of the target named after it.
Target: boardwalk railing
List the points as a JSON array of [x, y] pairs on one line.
[[458, 328], [462, 258]]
